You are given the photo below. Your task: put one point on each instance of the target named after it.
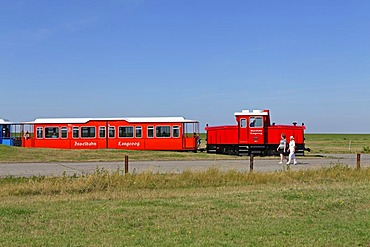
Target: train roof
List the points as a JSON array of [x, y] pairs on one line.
[[252, 113], [160, 120], [129, 119]]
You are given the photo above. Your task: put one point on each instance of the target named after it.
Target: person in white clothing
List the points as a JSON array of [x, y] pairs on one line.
[[291, 150]]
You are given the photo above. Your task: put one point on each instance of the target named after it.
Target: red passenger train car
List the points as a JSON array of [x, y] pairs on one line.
[[253, 134], [146, 133]]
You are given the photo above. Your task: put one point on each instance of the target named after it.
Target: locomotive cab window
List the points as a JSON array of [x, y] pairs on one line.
[[255, 122], [243, 123], [51, 132]]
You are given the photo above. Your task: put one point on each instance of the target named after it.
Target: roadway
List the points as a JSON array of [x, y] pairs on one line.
[[260, 165]]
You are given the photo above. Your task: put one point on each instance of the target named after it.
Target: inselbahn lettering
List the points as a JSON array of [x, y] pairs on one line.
[[85, 144]]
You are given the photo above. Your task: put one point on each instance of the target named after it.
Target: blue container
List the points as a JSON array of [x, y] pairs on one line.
[[8, 141], [5, 138]]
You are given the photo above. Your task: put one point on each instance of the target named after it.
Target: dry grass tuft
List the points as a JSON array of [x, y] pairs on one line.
[[103, 180]]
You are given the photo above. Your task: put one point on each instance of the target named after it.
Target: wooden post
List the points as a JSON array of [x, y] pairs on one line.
[[251, 161], [358, 161], [126, 164]]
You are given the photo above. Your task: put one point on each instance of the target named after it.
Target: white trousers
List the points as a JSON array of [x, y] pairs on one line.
[[292, 156]]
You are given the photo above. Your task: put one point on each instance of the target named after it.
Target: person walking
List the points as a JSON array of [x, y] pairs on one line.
[[291, 150], [198, 141], [282, 148]]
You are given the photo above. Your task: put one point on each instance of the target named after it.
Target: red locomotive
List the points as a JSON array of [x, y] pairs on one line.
[[147, 133], [253, 134]]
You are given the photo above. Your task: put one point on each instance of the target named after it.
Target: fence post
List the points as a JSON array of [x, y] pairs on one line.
[[251, 161], [126, 164], [358, 161]]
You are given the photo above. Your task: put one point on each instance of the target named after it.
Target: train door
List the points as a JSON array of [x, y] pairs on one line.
[[190, 133], [243, 130], [256, 130]]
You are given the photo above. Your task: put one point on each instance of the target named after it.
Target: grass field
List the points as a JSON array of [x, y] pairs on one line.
[[17, 154], [328, 207], [338, 143]]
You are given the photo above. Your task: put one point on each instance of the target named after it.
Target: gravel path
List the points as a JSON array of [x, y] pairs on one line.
[[260, 165]]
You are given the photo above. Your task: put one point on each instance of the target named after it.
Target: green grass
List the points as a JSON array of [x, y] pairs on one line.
[[17, 154], [327, 207], [337, 143]]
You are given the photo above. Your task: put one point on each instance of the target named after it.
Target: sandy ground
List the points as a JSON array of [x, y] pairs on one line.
[[259, 165]]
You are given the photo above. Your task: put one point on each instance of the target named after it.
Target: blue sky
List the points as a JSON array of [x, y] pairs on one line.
[[305, 61]]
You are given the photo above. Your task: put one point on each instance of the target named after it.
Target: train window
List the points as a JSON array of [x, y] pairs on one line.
[[51, 132], [150, 131], [64, 132], [126, 131], [138, 132], [102, 131], [75, 132], [255, 122], [175, 131], [39, 132], [243, 123], [162, 131], [88, 132], [112, 132]]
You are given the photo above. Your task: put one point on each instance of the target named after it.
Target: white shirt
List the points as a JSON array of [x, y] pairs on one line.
[[292, 146]]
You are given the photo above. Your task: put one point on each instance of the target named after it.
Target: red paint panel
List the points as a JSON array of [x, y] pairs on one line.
[[222, 135], [274, 133]]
